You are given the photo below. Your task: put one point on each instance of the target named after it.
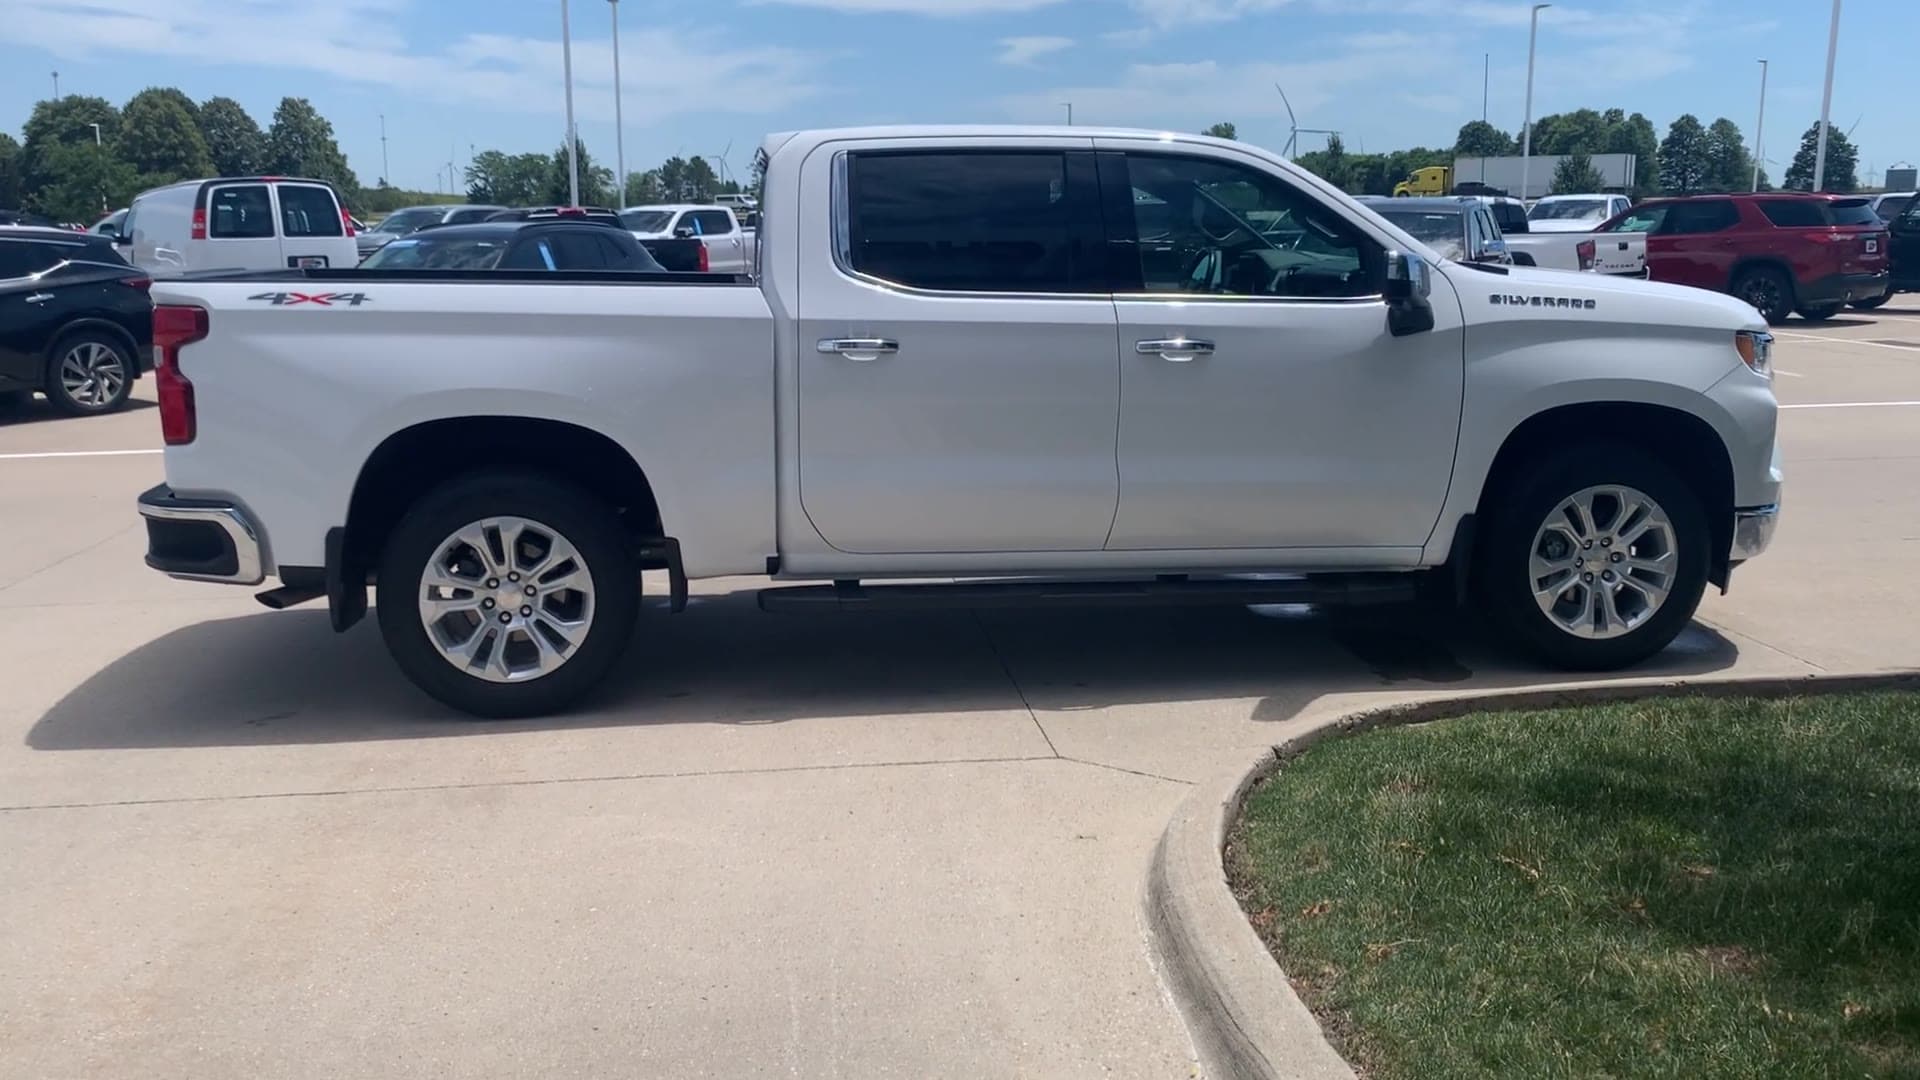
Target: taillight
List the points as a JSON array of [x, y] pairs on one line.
[[199, 223], [141, 283], [570, 211], [175, 326], [1585, 249], [346, 221], [704, 265]]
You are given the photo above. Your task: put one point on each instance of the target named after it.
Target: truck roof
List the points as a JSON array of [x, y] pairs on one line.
[[961, 131]]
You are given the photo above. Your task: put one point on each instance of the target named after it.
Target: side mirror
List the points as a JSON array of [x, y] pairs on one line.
[[1409, 286], [1494, 251], [684, 232], [120, 239]]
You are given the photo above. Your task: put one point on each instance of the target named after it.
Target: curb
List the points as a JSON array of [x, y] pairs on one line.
[[1240, 1009]]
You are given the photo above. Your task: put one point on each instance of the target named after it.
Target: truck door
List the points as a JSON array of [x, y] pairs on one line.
[[1263, 401], [956, 375], [716, 230]]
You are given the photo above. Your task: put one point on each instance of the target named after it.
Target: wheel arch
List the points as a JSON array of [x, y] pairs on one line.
[[94, 323], [1765, 262], [1683, 440], [415, 459]]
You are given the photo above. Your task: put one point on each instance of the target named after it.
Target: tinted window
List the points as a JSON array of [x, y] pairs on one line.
[[1851, 212], [1209, 226], [1644, 219], [240, 212], [577, 251], [528, 254], [1891, 206], [1793, 213], [994, 222], [1441, 230], [1511, 217], [463, 217], [310, 211], [19, 260], [708, 222], [1687, 218], [428, 252], [625, 256], [1594, 210], [647, 221], [406, 221]]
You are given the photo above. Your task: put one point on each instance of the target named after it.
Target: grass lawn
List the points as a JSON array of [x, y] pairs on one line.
[[1685, 887]]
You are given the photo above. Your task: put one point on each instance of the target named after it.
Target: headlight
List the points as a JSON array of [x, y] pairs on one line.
[[1756, 350]]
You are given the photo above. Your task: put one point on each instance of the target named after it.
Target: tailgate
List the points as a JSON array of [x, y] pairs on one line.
[[1620, 253], [1863, 251]]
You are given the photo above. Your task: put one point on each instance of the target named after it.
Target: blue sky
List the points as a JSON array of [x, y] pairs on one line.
[[449, 74]]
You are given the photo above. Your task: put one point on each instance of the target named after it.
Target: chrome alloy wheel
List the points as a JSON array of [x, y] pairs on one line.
[[1603, 562], [506, 599], [92, 374]]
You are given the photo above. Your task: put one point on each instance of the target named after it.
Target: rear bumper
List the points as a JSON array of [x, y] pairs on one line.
[[1752, 531], [200, 539], [1844, 288]]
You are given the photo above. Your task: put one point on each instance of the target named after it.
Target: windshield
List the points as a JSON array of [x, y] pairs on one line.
[[1852, 212], [438, 253], [1570, 210], [1439, 229], [646, 220], [406, 221]]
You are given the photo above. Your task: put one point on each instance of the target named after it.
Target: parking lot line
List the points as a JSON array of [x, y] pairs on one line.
[[1852, 405], [76, 453], [1843, 341]]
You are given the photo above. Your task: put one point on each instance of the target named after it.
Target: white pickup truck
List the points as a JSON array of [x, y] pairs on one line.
[[730, 245], [1038, 364]]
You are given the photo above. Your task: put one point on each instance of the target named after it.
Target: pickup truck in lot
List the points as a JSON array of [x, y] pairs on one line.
[[1037, 363]]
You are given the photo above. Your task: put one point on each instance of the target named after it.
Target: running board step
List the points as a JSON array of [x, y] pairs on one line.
[[1344, 590]]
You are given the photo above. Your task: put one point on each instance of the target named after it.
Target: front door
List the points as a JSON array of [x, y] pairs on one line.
[[957, 383], [1263, 401]]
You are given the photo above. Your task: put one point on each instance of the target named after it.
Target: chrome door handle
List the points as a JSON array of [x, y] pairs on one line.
[[39, 298], [858, 348], [1178, 350]]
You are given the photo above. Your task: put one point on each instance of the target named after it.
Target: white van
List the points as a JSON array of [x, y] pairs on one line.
[[238, 223]]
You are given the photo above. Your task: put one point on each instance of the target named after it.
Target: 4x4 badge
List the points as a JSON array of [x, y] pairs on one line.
[[326, 299]]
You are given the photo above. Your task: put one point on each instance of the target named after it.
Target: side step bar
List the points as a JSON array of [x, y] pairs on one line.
[[1346, 590]]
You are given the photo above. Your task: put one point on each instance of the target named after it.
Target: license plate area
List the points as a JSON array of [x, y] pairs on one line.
[[1873, 245], [307, 262]]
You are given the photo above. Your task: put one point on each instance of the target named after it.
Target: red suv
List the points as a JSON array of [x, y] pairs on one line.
[[1813, 254]]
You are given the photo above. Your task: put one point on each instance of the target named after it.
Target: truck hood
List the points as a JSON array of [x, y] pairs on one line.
[[1526, 292]]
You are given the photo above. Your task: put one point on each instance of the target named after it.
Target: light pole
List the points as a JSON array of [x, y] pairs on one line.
[[1526, 130], [619, 135], [1759, 128], [566, 64], [96, 133], [1826, 102], [56, 86], [385, 173], [1068, 105]]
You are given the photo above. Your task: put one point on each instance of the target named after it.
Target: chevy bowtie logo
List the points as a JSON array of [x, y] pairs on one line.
[[1568, 302]]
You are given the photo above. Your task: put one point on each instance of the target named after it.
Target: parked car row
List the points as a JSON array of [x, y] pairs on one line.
[[76, 322]]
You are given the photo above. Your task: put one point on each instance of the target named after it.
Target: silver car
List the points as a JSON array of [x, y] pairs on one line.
[[414, 218]]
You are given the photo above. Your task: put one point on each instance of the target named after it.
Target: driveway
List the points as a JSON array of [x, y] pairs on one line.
[[235, 844]]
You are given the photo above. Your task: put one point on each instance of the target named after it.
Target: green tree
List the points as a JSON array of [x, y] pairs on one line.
[[643, 188], [160, 139], [67, 122], [596, 181], [235, 143], [80, 182], [300, 143], [702, 183], [1582, 131], [1635, 135], [1729, 166], [1478, 138], [1331, 164], [1575, 175], [9, 171], [1683, 157], [1843, 162], [1222, 130]]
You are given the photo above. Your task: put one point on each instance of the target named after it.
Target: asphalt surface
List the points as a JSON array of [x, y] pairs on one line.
[[233, 843]]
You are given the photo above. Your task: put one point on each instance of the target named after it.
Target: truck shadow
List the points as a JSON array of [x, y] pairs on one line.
[[286, 678]]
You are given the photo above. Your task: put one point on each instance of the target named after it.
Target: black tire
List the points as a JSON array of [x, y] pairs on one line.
[[1768, 290], [66, 401], [1502, 582], [584, 521], [1820, 312], [1869, 305]]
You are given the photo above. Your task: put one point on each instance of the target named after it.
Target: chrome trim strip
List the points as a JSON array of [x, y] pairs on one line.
[[232, 521], [1753, 531]]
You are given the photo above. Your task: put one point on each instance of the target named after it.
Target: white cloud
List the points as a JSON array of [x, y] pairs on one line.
[[672, 69], [1129, 39], [1023, 51]]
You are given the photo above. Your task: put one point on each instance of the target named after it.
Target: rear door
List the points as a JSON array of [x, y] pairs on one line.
[[717, 230], [313, 230], [958, 389], [1699, 244], [241, 232]]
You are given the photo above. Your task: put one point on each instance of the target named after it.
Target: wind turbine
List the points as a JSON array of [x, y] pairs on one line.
[[1294, 129]]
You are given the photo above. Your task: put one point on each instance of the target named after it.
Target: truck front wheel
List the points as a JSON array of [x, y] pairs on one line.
[[1595, 557], [507, 594]]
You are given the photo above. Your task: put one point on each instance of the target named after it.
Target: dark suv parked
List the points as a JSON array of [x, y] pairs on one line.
[[1782, 253], [76, 322]]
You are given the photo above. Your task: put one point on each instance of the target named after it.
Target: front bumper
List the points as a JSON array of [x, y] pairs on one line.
[[200, 539], [1752, 532], [1845, 288]]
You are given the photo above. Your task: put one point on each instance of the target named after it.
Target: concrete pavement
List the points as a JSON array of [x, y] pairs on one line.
[[234, 844]]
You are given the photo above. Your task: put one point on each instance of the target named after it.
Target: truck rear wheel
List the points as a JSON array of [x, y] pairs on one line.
[[507, 594], [1595, 558]]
